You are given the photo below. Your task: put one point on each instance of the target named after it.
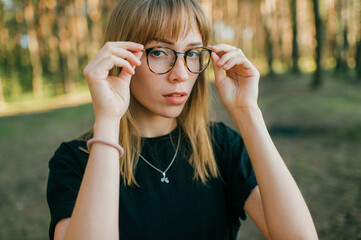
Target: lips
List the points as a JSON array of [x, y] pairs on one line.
[[176, 97]]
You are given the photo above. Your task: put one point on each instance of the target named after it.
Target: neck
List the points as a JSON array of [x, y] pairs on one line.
[[156, 126], [151, 124]]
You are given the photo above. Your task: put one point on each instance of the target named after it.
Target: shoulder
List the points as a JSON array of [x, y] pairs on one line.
[[223, 135], [228, 147], [219, 128], [72, 153], [226, 141]]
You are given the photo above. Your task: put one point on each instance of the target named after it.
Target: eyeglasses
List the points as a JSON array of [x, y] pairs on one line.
[[161, 60]]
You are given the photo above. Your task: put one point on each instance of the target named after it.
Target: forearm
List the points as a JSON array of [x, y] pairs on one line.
[[286, 213], [95, 215]]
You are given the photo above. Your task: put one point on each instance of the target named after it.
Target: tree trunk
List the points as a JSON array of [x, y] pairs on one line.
[[344, 66], [358, 59], [34, 50], [2, 49], [331, 30], [357, 7], [96, 36], [317, 77], [63, 34], [2, 99], [266, 10], [341, 36], [343, 46], [269, 51], [45, 24], [82, 39], [71, 50], [295, 53]]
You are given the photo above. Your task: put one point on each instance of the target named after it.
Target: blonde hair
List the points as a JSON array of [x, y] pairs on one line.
[[143, 21]]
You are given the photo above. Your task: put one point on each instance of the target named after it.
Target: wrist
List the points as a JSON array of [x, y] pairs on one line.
[[107, 129], [241, 113], [245, 118]]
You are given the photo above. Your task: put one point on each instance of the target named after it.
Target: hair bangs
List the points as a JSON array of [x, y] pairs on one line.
[[164, 19]]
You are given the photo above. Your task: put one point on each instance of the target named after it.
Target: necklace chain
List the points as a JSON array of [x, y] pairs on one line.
[[164, 178]]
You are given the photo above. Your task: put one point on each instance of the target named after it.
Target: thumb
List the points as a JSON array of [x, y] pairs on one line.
[[218, 71], [124, 75], [138, 54]]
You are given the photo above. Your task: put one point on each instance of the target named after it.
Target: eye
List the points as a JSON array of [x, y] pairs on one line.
[[158, 52], [193, 54]]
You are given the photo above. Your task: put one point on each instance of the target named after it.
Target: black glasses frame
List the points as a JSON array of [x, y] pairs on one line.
[[148, 50]]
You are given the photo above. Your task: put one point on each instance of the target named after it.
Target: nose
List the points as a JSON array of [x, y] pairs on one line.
[[179, 72]]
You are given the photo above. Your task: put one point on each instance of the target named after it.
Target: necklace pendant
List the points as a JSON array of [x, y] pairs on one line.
[[164, 179]]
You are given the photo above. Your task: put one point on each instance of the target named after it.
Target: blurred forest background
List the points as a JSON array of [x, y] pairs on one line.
[[45, 44], [309, 55]]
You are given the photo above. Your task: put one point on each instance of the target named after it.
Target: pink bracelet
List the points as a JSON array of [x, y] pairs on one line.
[[98, 140]]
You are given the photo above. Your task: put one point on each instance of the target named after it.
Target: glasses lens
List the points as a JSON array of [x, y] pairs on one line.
[[161, 60], [198, 59]]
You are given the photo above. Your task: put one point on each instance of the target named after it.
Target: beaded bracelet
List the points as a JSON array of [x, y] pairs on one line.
[[98, 140]]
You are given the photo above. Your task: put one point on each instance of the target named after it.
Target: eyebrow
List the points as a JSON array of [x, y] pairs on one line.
[[172, 43]]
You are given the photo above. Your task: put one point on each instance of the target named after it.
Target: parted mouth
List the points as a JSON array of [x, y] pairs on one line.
[[176, 94]]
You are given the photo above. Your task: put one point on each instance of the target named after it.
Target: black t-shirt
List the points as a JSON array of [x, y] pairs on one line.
[[181, 209]]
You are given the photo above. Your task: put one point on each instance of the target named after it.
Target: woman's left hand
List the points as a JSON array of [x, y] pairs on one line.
[[235, 77]]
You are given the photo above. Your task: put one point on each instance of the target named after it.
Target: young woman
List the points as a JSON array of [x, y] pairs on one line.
[[154, 167]]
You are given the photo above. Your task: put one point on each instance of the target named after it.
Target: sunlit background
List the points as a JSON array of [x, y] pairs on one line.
[[309, 55]]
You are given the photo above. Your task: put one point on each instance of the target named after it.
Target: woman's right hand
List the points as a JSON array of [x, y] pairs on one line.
[[111, 94]]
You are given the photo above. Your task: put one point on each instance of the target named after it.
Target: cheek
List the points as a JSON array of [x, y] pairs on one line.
[[139, 79], [192, 81], [142, 83]]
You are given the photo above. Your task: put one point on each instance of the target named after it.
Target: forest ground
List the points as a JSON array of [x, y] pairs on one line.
[[318, 134]]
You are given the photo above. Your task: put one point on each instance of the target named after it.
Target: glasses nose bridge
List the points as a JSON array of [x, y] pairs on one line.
[[184, 58]]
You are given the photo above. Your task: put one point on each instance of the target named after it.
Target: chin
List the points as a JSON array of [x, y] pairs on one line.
[[157, 109], [171, 113]]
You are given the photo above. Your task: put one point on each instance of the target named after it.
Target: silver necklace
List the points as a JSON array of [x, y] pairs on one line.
[[164, 179]]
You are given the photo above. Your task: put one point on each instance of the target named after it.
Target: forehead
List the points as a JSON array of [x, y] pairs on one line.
[[186, 30], [189, 38], [191, 34]]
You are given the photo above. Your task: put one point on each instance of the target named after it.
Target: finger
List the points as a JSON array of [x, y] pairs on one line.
[[122, 53], [108, 63], [229, 55], [232, 62], [223, 48], [138, 54], [127, 75], [124, 64], [122, 74], [117, 82], [120, 49], [240, 61], [218, 71], [132, 46]]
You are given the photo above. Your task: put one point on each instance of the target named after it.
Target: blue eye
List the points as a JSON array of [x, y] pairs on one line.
[[193, 54], [158, 53]]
